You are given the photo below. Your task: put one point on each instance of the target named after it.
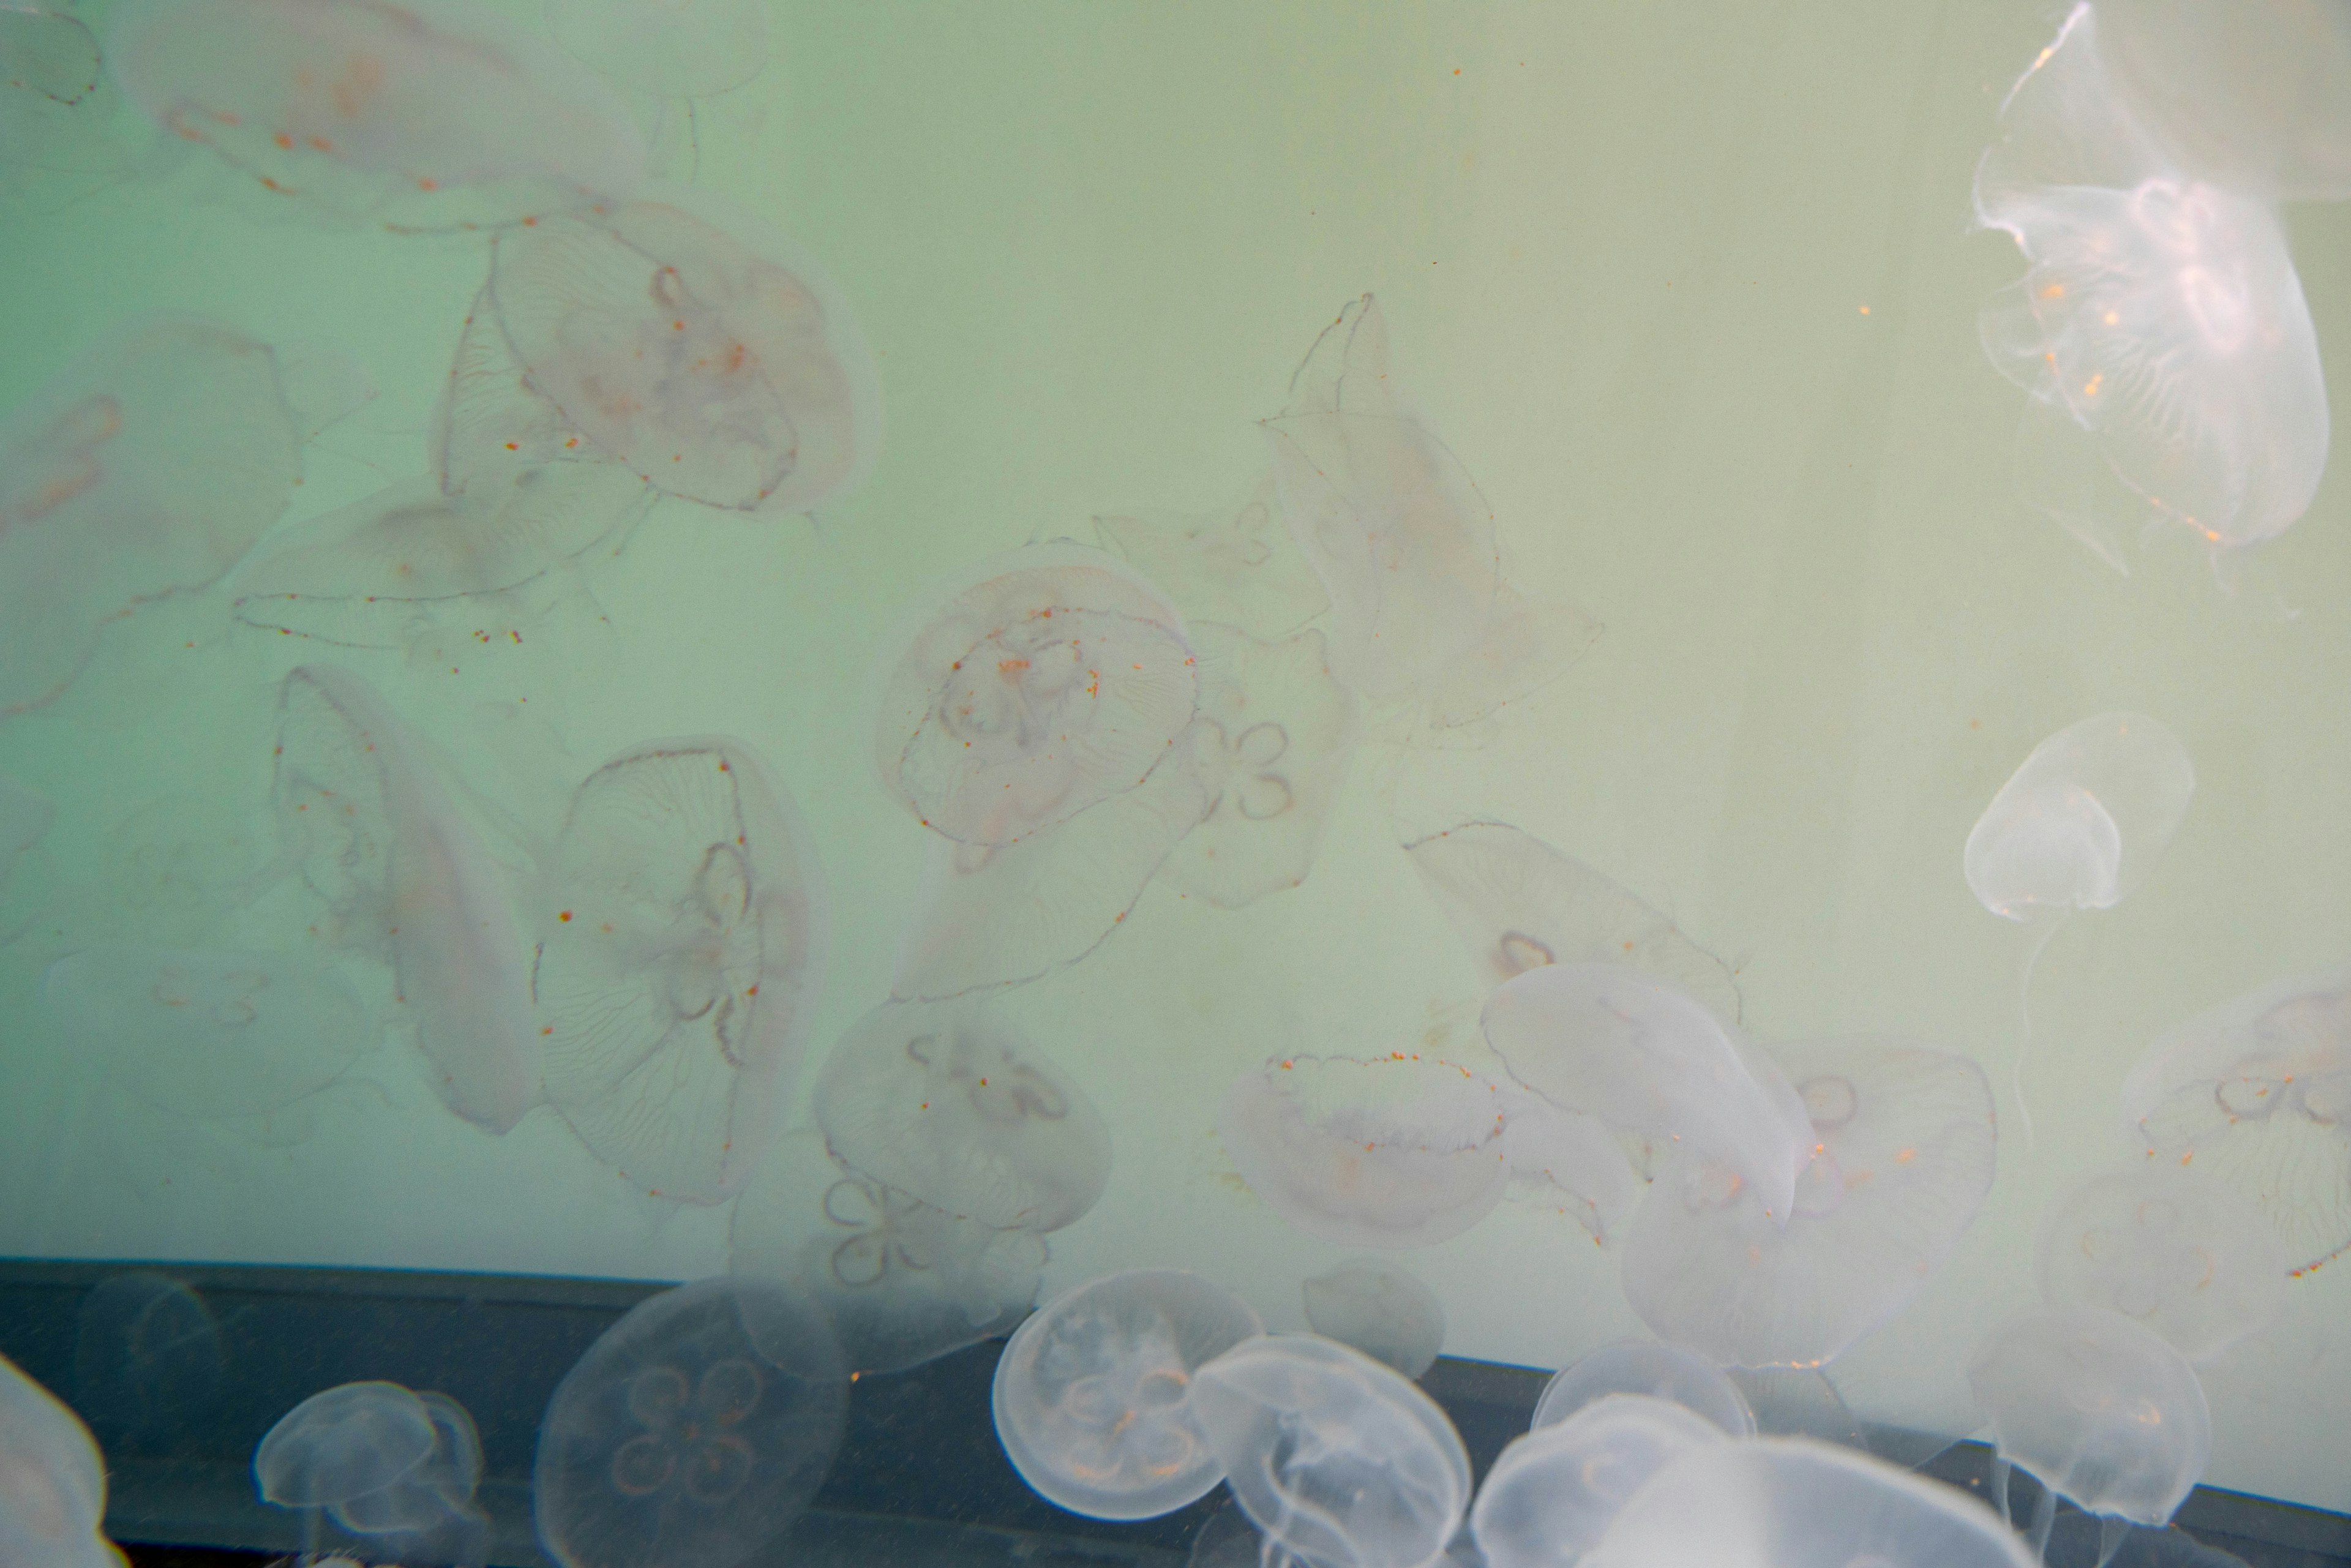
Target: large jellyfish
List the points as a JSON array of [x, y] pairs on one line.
[[1236, 566], [2160, 327], [2256, 1094], [409, 114], [147, 467], [52, 1481], [407, 879], [1553, 1493], [682, 937], [395, 1469], [2169, 1246]]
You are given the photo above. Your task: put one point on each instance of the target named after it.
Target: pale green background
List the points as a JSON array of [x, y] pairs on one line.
[[1690, 289]]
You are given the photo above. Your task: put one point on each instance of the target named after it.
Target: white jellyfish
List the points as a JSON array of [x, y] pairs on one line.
[[1092, 1395], [1554, 1491], [394, 1468], [1236, 566], [1377, 1308], [1653, 1370], [2169, 1247], [52, 1481]]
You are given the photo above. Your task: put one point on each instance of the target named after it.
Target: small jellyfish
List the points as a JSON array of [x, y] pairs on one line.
[[2169, 1247], [959, 1112], [694, 1430], [1657, 1371], [148, 1362], [1900, 1157], [1234, 567], [1517, 903], [1092, 1395], [2256, 1096], [901, 1281], [411, 115], [714, 358], [1337, 1459], [145, 469], [1610, 1042], [387, 1464], [2095, 1407], [1047, 682], [1791, 1502], [215, 1035], [2080, 823], [1404, 545], [1274, 738], [407, 879], [1554, 1491], [1390, 1151], [682, 938], [52, 1481], [2159, 328], [1377, 1308], [24, 817]]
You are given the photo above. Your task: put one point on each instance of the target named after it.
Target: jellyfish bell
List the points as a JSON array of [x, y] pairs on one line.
[[1236, 566], [1653, 1370], [2082, 820], [52, 1481], [1554, 1491], [1374, 1305], [2168, 1246]]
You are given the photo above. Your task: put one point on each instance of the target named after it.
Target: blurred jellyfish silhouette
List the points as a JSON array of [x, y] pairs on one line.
[[148, 1362], [381, 1472], [1373, 1305], [2159, 328], [2168, 1246], [54, 105], [52, 1481], [1236, 566]]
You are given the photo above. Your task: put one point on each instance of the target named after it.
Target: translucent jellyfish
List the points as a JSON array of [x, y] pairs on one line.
[[409, 114], [1567, 1160], [2169, 1247], [53, 103], [1337, 1459], [1390, 1151], [681, 937], [2253, 1094], [1376, 1307], [1554, 1491], [901, 1281], [1791, 1502], [1657, 1371], [671, 48], [1273, 741], [1404, 543], [959, 1112], [2096, 1409], [1234, 566], [24, 817], [1047, 682], [1518, 903], [209, 1034], [712, 357], [694, 1430], [149, 1365], [407, 879], [1092, 1395], [396, 1467], [1610, 1042], [146, 467], [1900, 1159], [2160, 327], [52, 1481]]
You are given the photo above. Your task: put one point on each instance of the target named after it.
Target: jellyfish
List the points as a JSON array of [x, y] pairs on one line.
[[959, 1112], [712, 358], [407, 879], [682, 937], [24, 817], [1610, 1042], [1517, 903], [1390, 1151], [2095, 1407], [145, 469], [1554, 1490], [901, 1281], [394, 1468], [1236, 566], [54, 105], [1403, 544], [694, 1430], [682, 49], [1045, 682], [219, 1035], [2253, 1096], [2159, 328], [1335, 1457], [1092, 1395], [2169, 1246], [1900, 1158], [1274, 738], [1791, 1502], [148, 1363], [2078, 824], [1654, 1370], [1569, 1162], [52, 1481], [409, 114], [1376, 1307]]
